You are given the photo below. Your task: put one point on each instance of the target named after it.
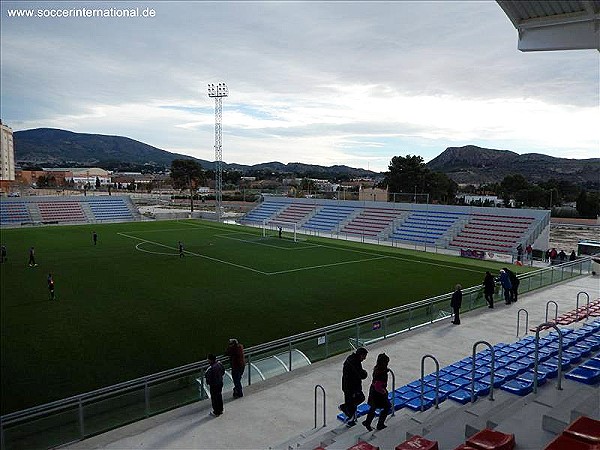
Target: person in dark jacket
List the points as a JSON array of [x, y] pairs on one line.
[[514, 285], [235, 351], [489, 285], [378, 393], [504, 280], [214, 379], [455, 303], [572, 256], [352, 376]]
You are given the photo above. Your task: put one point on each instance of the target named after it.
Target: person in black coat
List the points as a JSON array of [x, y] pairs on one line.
[[352, 376], [214, 379], [514, 283], [489, 286], [378, 393], [455, 304]]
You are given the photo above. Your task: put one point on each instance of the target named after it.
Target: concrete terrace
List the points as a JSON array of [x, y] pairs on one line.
[[279, 412]]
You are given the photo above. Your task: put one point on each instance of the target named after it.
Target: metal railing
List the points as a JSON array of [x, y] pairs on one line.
[[78, 417]]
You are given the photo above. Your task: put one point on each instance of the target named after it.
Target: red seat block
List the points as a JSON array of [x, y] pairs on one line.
[[465, 447], [585, 429], [565, 442], [418, 443], [363, 446], [492, 440]]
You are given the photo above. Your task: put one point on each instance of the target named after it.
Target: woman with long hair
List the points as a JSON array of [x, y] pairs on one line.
[[378, 393]]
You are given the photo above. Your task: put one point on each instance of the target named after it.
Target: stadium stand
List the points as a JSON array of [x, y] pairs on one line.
[[455, 228], [426, 227], [294, 212], [61, 212], [110, 209], [67, 209], [330, 217], [371, 221], [492, 233], [14, 213]]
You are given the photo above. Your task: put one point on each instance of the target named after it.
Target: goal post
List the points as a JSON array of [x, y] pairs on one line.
[[272, 228]]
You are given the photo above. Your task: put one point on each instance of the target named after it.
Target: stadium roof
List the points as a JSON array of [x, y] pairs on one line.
[[555, 25]]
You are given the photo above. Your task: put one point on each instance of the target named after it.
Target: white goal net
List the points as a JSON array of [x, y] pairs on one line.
[[279, 228]]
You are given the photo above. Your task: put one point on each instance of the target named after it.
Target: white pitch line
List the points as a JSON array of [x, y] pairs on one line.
[[197, 254], [137, 247], [326, 265]]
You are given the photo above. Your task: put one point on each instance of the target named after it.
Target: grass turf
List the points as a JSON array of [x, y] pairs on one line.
[[130, 306]]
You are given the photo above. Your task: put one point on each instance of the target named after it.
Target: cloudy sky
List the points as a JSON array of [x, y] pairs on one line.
[[335, 82]]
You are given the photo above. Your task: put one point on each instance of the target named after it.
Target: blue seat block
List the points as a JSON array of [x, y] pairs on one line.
[[566, 362], [415, 404], [583, 349], [407, 396], [529, 376], [498, 380], [448, 388], [431, 395], [403, 389], [447, 377], [461, 396], [593, 343], [591, 364], [507, 374], [551, 369], [461, 372], [517, 367], [481, 389], [460, 381], [527, 361], [518, 387], [584, 375], [362, 409]]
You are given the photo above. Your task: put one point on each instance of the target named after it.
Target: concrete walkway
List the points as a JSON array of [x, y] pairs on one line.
[[281, 408]]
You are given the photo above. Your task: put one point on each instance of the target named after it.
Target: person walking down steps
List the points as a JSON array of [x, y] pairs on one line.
[[378, 393]]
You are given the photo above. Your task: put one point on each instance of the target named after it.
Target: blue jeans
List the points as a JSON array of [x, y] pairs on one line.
[[236, 374]]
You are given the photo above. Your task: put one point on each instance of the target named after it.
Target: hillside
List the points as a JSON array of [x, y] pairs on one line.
[[54, 148], [472, 164]]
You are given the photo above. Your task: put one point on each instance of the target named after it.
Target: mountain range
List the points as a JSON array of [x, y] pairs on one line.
[[466, 165]]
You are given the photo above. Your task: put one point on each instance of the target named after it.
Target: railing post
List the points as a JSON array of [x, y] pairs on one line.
[[249, 370], [290, 355], [555, 310], [536, 357], [437, 380], [393, 390], [318, 386], [588, 306], [526, 320], [492, 369]]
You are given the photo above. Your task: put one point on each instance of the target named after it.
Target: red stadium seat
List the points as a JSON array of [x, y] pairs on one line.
[[418, 443], [584, 429], [492, 440], [565, 442]]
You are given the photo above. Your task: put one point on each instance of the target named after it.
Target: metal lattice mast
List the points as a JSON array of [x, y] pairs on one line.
[[218, 92]]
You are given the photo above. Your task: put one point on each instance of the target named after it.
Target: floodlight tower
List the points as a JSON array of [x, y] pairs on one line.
[[218, 92]]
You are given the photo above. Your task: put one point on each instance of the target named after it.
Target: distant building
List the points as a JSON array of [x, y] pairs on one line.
[[373, 194], [7, 154]]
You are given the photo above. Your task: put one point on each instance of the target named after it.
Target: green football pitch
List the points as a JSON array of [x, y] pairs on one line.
[[131, 306]]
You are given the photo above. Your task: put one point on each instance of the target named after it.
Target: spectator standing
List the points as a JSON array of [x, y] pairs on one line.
[[504, 280], [456, 303], [180, 246], [529, 251], [572, 256], [520, 252], [32, 262], [352, 376], [235, 351], [514, 285], [378, 393], [214, 379], [94, 237], [489, 285], [279, 231], [3, 252], [562, 256]]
